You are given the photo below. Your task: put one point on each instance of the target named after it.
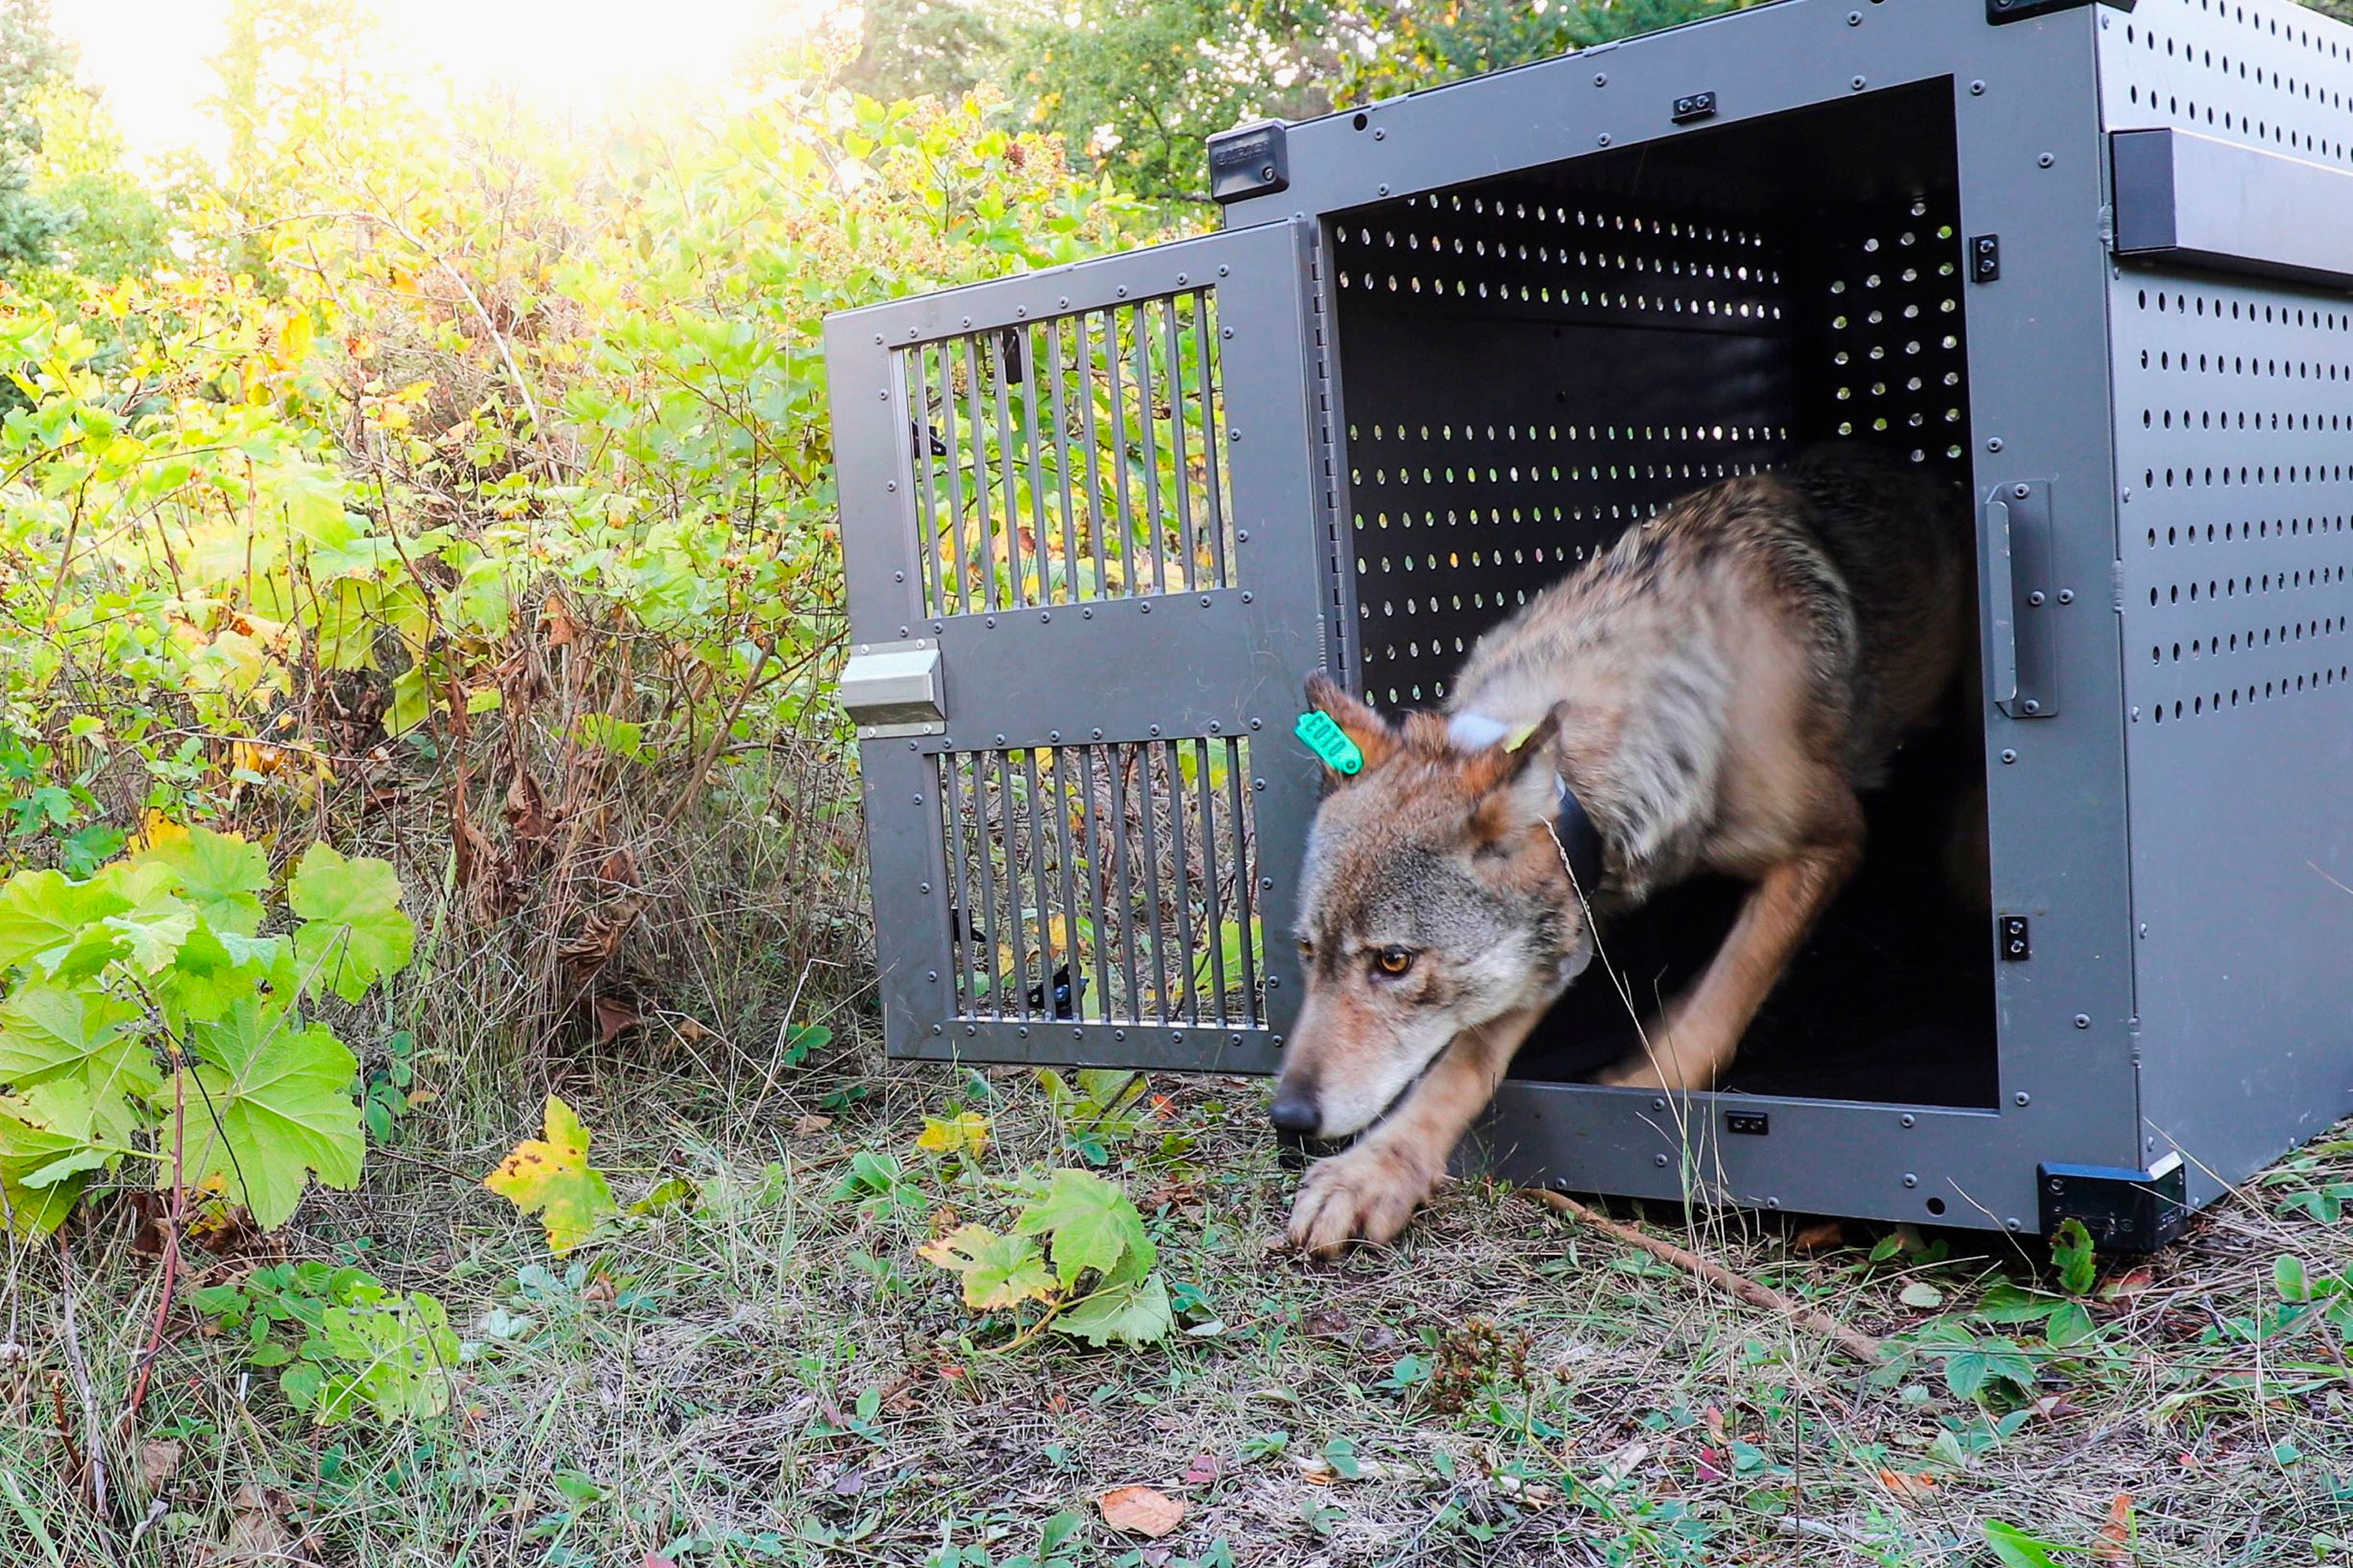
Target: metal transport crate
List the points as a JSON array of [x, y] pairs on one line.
[[1102, 520]]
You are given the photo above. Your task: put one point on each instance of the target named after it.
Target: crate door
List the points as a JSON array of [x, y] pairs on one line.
[[1097, 493]]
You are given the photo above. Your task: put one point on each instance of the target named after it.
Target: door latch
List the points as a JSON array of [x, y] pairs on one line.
[[892, 689]]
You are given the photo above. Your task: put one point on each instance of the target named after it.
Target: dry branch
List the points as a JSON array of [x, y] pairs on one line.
[[1854, 1342]]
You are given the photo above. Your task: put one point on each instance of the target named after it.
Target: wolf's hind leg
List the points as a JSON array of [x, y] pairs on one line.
[[1371, 1189], [1699, 1037]]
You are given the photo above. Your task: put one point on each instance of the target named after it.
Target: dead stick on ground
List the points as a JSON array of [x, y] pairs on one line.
[[1854, 1342]]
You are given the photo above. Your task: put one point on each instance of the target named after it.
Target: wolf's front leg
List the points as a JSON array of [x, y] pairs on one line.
[[1370, 1189]]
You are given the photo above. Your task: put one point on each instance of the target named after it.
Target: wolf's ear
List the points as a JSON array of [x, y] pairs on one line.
[[1516, 779], [1369, 731]]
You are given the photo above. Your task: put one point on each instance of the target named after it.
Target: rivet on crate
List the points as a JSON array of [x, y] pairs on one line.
[[1659, 1160], [1144, 607], [2083, 1021], [1602, 139], [2008, 755], [1599, 79], [1907, 1119], [1246, 596], [1856, 84], [1977, 90], [2022, 1098], [1045, 618], [1053, 737], [1993, 443], [2045, 161]]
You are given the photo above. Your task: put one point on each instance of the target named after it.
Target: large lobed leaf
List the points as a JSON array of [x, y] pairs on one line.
[[219, 875], [268, 1103], [996, 1270], [550, 1177], [50, 1143], [1090, 1223], [353, 930]]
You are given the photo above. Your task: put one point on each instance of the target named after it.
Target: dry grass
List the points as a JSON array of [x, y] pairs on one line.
[[696, 1389]]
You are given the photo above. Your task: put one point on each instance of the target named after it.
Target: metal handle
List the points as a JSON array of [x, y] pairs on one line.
[[2001, 595], [2023, 599]]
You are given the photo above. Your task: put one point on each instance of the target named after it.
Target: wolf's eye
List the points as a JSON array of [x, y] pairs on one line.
[[1393, 961]]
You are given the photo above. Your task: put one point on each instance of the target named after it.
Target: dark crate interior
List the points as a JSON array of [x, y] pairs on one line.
[[1529, 363]]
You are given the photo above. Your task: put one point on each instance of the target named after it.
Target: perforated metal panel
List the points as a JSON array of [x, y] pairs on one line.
[[1532, 363]]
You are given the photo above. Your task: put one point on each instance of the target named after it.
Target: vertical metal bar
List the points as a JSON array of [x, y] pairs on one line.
[[1212, 449], [1071, 959], [1016, 938], [1096, 522], [1245, 894], [984, 534], [1036, 438], [1181, 876], [927, 525], [1010, 469], [1151, 439], [1119, 452], [963, 604], [1126, 874], [1156, 935], [1045, 897], [992, 851], [1073, 588], [1180, 480], [1095, 880], [959, 912], [1210, 906]]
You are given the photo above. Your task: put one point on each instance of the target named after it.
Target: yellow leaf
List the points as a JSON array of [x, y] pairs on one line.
[[294, 340], [156, 829], [551, 1178], [965, 1133]]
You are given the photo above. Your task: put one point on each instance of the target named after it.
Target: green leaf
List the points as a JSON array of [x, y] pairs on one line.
[[2287, 1272], [218, 873], [41, 912], [212, 971], [2007, 1304], [404, 1352], [1919, 1293], [1134, 1312], [353, 929], [1091, 1225], [996, 1270], [300, 1383], [269, 1102], [2013, 1548], [2071, 1253], [49, 1033], [2070, 1325], [551, 1178], [149, 936], [49, 1136]]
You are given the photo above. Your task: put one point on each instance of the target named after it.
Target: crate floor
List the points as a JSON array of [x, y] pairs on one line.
[[1892, 999]]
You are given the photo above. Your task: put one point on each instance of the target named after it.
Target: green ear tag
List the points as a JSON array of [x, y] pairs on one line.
[[1327, 740]]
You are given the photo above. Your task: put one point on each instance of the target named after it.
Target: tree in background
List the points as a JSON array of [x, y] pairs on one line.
[[1136, 87], [32, 56]]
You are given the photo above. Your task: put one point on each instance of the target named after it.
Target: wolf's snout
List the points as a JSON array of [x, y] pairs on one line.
[[1295, 1113]]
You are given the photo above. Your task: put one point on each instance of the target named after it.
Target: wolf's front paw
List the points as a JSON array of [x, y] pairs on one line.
[[1366, 1193]]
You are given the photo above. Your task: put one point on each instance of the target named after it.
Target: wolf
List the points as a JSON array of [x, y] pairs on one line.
[[1709, 693]]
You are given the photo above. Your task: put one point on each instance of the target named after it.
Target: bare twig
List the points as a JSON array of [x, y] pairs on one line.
[[1854, 1342]]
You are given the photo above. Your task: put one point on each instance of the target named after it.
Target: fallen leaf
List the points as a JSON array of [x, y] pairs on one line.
[[967, 1133], [1325, 1323], [562, 629], [1827, 1236], [1140, 1511], [157, 1459], [1625, 1461], [551, 1178], [615, 1017], [1908, 1487], [655, 1560], [1203, 1470], [2114, 1543], [2126, 1286], [1713, 1417], [811, 1124], [1922, 1295]]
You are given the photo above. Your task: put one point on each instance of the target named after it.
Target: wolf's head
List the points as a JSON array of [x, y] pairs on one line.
[[1433, 900]]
